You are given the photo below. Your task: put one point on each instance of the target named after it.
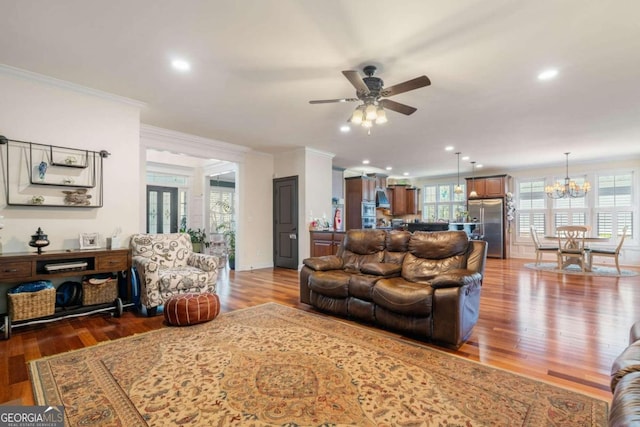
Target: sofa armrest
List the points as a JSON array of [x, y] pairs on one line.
[[148, 271], [628, 361], [324, 263], [145, 265], [203, 262], [384, 269], [456, 278]]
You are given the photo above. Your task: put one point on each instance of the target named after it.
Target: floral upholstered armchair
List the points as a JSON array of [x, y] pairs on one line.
[[167, 266]]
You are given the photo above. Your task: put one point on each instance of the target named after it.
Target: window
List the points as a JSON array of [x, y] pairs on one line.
[[441, 203], [614, 206], [531, 207], [221, 209], [608, 208]]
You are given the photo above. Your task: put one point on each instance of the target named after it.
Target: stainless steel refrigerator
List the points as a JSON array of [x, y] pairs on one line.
[[490, 216]]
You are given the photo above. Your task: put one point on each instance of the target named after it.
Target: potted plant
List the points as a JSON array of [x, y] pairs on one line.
[[230, 237], [198, 239]]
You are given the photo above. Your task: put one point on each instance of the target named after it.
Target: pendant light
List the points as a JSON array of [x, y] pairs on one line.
[[458, 189], [473, 193]]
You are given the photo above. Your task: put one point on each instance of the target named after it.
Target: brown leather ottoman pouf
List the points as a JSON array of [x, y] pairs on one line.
[[189, 309]]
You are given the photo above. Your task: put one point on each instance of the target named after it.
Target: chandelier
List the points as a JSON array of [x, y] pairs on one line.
[[569, 188], [458, 189]]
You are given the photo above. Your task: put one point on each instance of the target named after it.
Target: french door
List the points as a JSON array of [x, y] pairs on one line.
[[162, 210]]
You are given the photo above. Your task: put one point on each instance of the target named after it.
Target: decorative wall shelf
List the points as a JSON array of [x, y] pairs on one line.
[[49, 175]]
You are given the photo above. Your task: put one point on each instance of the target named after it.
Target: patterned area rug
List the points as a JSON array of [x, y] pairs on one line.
[[277, 366], [575, 269]]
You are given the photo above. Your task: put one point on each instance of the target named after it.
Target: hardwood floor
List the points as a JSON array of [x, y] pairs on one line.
[[562, 329]]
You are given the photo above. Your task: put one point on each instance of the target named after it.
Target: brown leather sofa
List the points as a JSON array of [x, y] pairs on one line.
[[625, 384], [425, 284]]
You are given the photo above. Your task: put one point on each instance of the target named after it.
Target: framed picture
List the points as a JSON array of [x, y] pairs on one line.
[[89, 241]]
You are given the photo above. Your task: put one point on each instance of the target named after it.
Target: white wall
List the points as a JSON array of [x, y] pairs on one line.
[[255, 208], [46, 111]]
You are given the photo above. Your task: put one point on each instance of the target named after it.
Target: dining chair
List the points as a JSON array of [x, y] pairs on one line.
[[613, 253], [540, 248], [571, 247]]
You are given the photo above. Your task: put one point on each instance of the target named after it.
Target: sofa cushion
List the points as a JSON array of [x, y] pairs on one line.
[[354, 262], [434, 253], [361, 286], [362, 247], [397, 241], [333, 283], [168, 250], [182, 279], [365, 242], [438, 245], [404, 297], [396, 246], [383, 269]]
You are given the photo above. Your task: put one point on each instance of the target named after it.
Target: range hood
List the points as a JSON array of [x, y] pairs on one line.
[[381, 199]]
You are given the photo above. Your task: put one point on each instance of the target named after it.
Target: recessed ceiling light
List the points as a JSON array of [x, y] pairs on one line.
[[345, 128], [548, 74], [478, 166], [181, 65], [449, 148], [406, 174], [465, 158], [365, 162], [388, 168]]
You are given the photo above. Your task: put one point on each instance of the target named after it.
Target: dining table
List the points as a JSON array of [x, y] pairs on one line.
[[578, 260]]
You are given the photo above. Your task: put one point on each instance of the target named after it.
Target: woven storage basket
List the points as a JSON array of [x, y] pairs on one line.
[[30, 305], [99, 291]]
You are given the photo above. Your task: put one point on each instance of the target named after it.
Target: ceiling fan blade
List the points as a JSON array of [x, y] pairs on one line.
[[397, 107], [357, 82], [412, 84], [326, 101]]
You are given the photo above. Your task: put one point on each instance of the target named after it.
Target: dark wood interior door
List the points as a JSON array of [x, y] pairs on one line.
[[285, 222]]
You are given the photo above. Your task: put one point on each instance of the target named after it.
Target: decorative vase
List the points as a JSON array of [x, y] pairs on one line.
[[42, 169], [39, 240]]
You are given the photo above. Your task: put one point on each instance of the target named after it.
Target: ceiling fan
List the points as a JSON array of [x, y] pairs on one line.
[[370, 90]]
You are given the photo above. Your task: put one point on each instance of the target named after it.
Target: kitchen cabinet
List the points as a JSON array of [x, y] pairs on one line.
[[358, 189], [28, 267], [325, 242], [397, 195], [403, 200], [413, 201], [488, 186]]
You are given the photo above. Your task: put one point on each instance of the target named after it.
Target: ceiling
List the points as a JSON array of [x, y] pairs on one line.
[[255, 64]]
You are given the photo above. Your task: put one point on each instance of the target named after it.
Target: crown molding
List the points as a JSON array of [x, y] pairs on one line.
[[184, 143], [63, 84]]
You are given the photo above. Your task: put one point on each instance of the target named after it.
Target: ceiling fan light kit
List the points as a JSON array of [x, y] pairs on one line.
[[370, 91]]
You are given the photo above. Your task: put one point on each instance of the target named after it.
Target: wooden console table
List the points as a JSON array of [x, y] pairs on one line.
[[28, 267]]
